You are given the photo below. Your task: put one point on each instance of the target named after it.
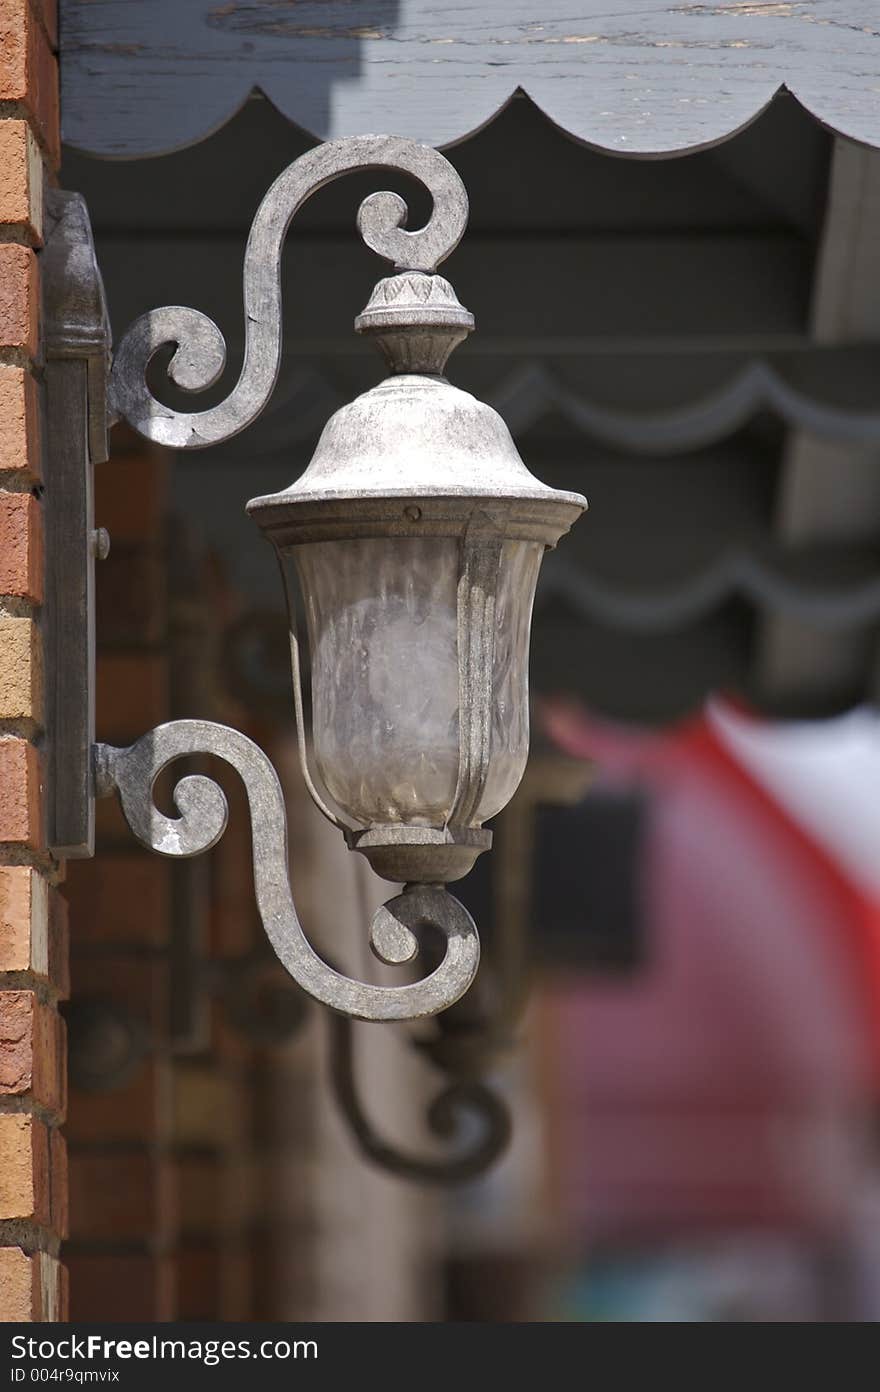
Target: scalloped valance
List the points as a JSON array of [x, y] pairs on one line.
[[628, 76]]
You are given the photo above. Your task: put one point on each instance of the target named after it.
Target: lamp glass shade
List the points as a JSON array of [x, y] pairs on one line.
[[383, 628]]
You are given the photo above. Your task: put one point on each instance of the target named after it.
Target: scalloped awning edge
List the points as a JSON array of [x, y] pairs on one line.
[[625, 77]]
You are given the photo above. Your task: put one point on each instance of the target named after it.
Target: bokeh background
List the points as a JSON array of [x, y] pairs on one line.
[[680, 1001]]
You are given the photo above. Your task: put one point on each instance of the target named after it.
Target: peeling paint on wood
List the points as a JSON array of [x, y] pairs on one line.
[[626, 75]]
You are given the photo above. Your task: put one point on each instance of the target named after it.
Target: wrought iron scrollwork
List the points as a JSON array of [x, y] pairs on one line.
[[203, 812], [425, 915], [461, 1100], [467, 1116], [199, 347]]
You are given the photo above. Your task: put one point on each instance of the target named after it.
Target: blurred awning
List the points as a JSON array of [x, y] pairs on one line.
[[727, 1081]]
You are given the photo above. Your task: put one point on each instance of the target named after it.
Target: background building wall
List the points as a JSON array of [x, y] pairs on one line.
[[162, 1114], [124, 1228]]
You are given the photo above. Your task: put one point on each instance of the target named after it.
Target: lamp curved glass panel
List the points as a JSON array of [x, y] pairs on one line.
[[383, 636]]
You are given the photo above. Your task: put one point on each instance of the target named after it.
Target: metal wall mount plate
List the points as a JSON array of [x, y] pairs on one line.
[[76, 347]]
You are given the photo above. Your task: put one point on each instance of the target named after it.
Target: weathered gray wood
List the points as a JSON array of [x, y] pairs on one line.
[[830, 487], [771, 177], [629, 76]]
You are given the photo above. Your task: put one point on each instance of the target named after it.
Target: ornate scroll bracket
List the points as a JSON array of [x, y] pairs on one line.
[[203, 812], [461, 1100], [467, 1116], [200, 349]]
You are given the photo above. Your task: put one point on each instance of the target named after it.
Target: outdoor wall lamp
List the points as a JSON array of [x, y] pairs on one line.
[[415, 536]]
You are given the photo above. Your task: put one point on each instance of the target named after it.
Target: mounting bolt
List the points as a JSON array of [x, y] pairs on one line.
[[100, 543]]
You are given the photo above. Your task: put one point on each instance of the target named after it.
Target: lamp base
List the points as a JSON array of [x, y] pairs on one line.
[[419, 854]]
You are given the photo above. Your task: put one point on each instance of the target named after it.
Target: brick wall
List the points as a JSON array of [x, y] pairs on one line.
[[33, 946], [161, 1174], [123, 1224]]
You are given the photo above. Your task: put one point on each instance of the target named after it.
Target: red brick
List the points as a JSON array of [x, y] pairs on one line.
[[21, 670], [21, 180], [32, 1288], [19, 297], [132, 596], [132, 694], [59, 1207], [59, 938], [33, 1064], [24, 920], [111, 828], [19, 421], [238, 1283], [21, 543], [199, 1282], [140, 1110], [20, 793], [33, 927], [29, 70], [134, 983], [124, 899], [201, 1190], [25, 1171], [121, 1195], [137, 513], [118, 1286]]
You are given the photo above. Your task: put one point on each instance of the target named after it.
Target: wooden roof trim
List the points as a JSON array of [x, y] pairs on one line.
[[625, 76]]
